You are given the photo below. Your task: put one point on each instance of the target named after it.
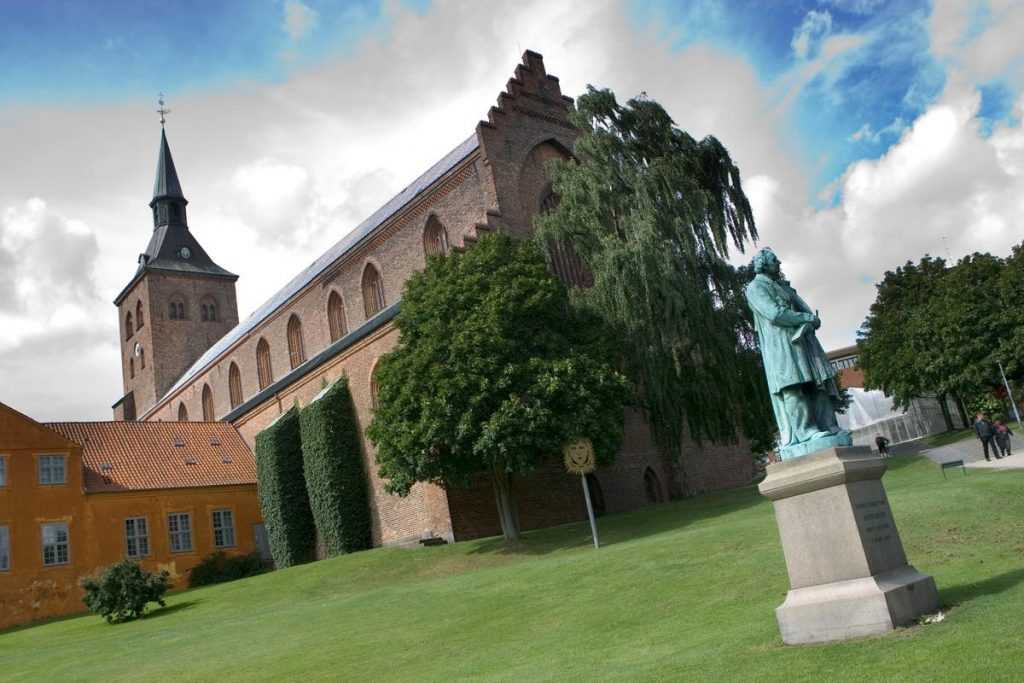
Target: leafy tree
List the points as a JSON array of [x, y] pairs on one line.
[[652, 212], [494, 373], [938, 330], [897, 340], [122, 591]]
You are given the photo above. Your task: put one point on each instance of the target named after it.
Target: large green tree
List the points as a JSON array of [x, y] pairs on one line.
[[940, 330], [494, 373], [653, 213]]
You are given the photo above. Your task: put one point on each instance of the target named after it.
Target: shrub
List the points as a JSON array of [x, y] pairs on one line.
[[123, 590], [282, 491], [333, 465], [219, 567]]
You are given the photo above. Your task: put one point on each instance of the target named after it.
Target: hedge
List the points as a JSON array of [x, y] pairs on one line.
[[333, 463], [282, 491]]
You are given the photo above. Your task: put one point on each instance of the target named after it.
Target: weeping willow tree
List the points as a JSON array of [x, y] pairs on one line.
[[653, 214]]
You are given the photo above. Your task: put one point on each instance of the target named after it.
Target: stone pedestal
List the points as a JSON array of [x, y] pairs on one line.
[[848, 573]]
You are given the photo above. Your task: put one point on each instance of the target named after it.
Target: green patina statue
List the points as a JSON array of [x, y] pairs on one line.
[[800, 378]]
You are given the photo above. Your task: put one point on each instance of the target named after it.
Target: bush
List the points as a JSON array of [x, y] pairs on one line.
[[282, 491], [333, 465], [220, 567], [123, 590]]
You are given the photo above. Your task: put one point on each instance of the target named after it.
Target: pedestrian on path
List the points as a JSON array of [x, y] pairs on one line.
[[883, 445], [1003, 434], [986, 434]]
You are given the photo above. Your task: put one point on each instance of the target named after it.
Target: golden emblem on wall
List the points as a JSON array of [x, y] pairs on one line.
[[579, 457]]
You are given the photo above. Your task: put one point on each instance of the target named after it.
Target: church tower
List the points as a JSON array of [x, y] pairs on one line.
[[178, 303]]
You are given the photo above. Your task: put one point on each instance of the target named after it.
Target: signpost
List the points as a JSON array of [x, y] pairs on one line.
[[579, 459]]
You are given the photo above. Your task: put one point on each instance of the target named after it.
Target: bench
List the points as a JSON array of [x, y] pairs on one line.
[[952, 463]]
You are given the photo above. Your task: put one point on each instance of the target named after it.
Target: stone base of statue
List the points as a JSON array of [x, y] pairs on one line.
[[848, 573]]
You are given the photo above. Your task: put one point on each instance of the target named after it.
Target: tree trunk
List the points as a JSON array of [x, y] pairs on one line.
[[944, 406], [507, 513], [962, 410]]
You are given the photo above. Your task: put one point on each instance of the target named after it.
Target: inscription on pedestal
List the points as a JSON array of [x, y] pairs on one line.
[[875, 520]]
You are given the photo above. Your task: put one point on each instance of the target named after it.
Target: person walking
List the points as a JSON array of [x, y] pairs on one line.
[[1003, 434], [883, 445], [986, 434]]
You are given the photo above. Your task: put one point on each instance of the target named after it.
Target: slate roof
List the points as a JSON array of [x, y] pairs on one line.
[[344, 245], [141, 456], [166, 183]]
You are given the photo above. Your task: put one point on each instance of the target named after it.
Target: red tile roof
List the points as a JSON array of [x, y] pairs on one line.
[[138, 456]]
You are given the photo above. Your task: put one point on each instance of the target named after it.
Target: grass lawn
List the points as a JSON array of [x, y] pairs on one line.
[[946, 438], [681, 591]]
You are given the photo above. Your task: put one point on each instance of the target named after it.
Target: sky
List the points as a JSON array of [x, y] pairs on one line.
[[868, 133]]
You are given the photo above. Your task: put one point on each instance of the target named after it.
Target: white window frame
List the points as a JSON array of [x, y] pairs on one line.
[[5, 548], [59, 527], [3, 471], [136, 537], [45, 465], [177, 533], [224, 535]]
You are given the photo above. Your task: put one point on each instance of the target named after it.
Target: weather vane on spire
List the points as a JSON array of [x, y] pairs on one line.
[[163, 110]]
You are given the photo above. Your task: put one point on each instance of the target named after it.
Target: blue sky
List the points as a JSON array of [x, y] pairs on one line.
[[868, 132]]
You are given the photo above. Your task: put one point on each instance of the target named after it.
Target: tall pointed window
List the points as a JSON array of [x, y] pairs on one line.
[[336, 316], [142, 358], [296, 352], [264, 371], [207, 404], [435, 238], [373, 291], [138, 316], [566, 263], [208, 310], [374, 388], [131, 368], [182, 413], [176, 309], [129, 328], [234, 386]]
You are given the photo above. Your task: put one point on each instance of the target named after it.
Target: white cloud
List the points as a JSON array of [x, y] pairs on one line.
[[320, 151], [866, 134], [815, 27], [299, 19]]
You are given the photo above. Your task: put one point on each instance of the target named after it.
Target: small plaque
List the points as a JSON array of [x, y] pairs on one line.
[[579, 457]]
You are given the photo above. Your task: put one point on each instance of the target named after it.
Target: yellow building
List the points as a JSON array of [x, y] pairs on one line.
[[79, 496]]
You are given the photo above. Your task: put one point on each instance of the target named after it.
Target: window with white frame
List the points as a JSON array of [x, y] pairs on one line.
[[223, 529], [179, 526], [56, 549], [5, 549], [136, 537], [3, 471], [52, 469]]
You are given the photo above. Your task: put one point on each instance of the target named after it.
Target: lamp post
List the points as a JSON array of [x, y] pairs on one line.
[[1009, 392]]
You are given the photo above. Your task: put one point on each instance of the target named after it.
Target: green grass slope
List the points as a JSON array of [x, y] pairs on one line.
[[681, 591]]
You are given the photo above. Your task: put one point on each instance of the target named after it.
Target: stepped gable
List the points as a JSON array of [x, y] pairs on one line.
[[345, 245], [140, 456]]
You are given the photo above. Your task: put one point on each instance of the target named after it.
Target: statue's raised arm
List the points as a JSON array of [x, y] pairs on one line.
[[800, 378]]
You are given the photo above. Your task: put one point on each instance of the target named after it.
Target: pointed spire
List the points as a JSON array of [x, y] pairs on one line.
[[166, 184]]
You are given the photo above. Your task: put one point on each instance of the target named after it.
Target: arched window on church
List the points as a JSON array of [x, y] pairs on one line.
[[566, 263], [264, 371], [373, 291], [129, 328], [234, 386], [374, 388], [138, 316], [208, 310], [142, 358], [296, 352], [182, 413], [131, 368], [336, 316], [435, 238], [176, 309], [207, 404], [652, 486]]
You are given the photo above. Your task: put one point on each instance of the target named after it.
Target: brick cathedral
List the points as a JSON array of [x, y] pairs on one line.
[[186, 356]]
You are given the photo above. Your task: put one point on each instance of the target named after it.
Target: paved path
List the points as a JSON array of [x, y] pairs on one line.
[[969, 450]]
